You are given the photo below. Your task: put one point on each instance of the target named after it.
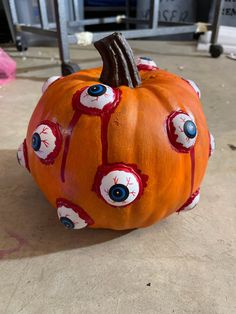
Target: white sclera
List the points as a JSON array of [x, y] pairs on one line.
[[213, 144], [98, 102], [69, 213], [48, 141], [178, 122], [143, 61], [193, 203], [49, 81], [195, 87], [20, 154], [120, 177]]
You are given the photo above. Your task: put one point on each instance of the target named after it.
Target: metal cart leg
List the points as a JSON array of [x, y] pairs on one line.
[[43, 14], [154, 9], [127, 12], [215, 49], [18, 38], [67, 67], [9, 19]]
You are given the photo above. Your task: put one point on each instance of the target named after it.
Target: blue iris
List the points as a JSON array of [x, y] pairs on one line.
[[97, 90], [119, 193], [67, 223], [190, 129], [36, 141], [146, 58]]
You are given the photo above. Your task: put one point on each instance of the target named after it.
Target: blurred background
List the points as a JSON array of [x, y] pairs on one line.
[[33, 22]]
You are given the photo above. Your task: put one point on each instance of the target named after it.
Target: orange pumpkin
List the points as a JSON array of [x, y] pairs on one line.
[[121, 147]]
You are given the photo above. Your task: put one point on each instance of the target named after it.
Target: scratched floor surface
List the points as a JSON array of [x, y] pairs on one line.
[[184, 264]]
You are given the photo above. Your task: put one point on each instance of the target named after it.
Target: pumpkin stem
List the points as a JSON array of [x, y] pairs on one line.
[[119, 66]]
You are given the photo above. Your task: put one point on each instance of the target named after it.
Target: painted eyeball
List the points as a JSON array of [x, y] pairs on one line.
[[96, 98], [194, 86], [182, 131], [119, 185], [46, 141], [72, 216], [212, 145], [22, 155], [146, 64], [191, 202], [49, 81]]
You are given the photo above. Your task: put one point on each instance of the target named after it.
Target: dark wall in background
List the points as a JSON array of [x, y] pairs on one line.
[[203, 10], [5, 35]]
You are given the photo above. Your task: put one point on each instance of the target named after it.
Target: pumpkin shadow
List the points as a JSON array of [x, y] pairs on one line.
[[29, 225]]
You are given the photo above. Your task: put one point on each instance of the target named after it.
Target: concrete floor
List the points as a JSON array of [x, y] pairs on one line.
[[184, 264]]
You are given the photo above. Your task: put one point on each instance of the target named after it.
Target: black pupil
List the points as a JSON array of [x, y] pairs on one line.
[[119, 193], [190, 129], [67, 223], [36, 141], [97, 90]]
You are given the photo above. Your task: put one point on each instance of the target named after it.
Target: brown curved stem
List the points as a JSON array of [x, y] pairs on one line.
[[119, 67]]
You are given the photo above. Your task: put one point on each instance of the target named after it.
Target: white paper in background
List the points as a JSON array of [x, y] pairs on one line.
[[226, 38]]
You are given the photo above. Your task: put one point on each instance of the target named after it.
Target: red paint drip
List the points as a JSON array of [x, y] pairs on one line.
[[25, 152], [71, 126], [192, 157], [105, 118]]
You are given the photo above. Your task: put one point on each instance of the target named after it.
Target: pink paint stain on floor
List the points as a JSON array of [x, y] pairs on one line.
[[20, 243]]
